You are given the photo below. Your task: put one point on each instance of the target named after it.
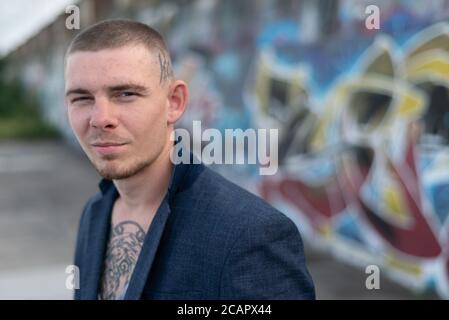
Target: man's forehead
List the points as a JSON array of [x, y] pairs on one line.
[[111, 67], [127, 56]]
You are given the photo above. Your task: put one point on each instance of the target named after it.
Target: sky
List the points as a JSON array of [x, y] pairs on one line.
[[21, 19]]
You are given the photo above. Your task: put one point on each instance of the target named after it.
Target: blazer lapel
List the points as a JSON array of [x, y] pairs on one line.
[[97, 240], [154, 235], [149, 249]]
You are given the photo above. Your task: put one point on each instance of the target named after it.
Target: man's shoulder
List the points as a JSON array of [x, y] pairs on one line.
[[212, 190]]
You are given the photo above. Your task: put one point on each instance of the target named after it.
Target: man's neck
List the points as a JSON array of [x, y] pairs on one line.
[[148, 187]]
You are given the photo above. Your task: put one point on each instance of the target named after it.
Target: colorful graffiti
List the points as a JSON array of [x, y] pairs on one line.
[[365, 166]]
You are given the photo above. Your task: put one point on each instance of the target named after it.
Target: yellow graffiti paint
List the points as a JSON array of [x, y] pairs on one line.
[[326, 231], [396, 208], [402, 265], [436, 68], [411, 105]]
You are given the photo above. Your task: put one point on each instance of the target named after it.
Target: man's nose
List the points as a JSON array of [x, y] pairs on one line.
[[103, 116]]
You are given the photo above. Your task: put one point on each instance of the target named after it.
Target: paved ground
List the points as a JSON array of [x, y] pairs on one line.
[[43, 187]]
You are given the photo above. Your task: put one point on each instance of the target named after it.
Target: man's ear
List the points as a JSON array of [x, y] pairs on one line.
[[178, 98]]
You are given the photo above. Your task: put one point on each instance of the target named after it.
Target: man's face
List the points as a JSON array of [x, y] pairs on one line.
[[117, 107]]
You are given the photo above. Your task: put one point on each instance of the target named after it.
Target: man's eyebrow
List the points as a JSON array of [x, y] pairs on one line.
[[77, 91], [128, 86], [120, 87]]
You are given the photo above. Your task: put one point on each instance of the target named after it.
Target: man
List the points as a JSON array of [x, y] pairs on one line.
[[158, 230]]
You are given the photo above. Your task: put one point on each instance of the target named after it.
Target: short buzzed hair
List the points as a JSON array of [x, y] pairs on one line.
[[110, 34]]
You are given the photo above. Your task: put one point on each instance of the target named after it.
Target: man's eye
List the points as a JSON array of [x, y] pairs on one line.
[[127, 94]]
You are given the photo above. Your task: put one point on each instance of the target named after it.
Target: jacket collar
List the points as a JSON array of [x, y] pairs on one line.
[[176, 177]]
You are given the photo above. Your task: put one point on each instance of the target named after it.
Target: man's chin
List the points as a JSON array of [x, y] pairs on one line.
[[112, 170], [113, 174]]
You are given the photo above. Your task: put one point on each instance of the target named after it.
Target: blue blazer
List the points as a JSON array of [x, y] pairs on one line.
[[209, 239]]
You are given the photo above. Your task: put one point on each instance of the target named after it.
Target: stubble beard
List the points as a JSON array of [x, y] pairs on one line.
[[116, 171]]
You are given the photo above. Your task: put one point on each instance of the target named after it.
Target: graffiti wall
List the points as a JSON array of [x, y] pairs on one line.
[[368, 168], [363, 119], [365, 158]]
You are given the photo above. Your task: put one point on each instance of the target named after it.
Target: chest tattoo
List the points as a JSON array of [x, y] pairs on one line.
[[125, 243]]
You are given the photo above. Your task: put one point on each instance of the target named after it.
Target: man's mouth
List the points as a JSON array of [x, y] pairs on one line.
[[107, 148]]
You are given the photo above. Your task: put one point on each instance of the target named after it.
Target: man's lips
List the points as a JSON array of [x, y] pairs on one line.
[[106, 148]]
